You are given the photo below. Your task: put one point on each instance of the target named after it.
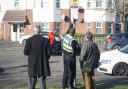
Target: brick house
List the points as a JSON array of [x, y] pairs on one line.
[[23, 17], [96, 18]]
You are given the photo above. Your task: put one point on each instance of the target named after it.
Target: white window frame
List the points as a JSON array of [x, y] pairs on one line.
[[109, 3], [98, 27], [44, 4], [89, 26], [16, 3], [57, 3], [45, 26], [88, 4], [98, 3], [109, 27]]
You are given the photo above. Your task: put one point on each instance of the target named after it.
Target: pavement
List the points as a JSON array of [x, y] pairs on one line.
[[13, 69]]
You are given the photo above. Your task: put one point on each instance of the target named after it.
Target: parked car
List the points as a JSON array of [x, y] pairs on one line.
[[116, 41], [56, 47], [23, 39], [114, 62]]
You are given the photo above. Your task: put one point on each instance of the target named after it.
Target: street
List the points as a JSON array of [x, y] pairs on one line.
[[13, 69]]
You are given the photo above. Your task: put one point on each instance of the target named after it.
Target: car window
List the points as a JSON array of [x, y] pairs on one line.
[[124, 36], [108, 36], [45, 34], [124, 50], [116, 36]]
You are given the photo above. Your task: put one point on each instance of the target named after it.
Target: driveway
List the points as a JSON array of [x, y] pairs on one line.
[[13, 69]]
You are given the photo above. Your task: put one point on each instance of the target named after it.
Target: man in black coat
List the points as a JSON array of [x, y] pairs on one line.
[[38, 50], [89, 58]]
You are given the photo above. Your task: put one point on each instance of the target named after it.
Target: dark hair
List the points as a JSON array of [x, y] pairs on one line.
[[89, 35]]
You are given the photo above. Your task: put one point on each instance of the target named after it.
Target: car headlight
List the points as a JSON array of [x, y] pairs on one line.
[[105, 61]]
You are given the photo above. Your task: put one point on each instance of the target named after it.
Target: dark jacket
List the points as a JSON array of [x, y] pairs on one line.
[[90, 56], [38, 50]]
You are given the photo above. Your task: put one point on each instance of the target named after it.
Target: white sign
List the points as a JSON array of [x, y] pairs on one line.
[[74, 13]]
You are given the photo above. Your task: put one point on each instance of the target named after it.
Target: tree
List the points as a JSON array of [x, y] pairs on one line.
[[120, 8]]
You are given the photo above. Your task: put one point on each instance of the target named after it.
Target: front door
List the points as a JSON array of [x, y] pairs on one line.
[[15, 32]]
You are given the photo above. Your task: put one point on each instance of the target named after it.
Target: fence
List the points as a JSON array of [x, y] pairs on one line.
[[99, 40]]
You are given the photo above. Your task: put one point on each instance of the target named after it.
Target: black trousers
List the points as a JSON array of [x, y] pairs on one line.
[[32, 82], [69, 71]]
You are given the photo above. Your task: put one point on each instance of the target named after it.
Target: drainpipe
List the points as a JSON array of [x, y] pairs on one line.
[[4, 30]]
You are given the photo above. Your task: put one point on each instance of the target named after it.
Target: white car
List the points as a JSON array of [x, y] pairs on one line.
[[114, 62], [23, 39]]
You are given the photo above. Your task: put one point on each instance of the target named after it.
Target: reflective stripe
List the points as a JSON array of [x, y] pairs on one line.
[[67, 48], [67, 40]]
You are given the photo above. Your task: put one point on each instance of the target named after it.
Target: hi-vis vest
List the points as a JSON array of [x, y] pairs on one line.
[[66, 44]]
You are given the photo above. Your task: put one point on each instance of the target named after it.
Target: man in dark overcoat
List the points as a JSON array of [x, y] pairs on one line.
[[38, 50], [89, 58]]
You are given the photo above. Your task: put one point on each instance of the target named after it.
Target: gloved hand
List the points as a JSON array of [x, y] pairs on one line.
[[73, 54], [74, 21]]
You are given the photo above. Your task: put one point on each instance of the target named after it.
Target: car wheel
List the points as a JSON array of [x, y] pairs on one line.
[[24, 42], [120, 69], [116, 47]]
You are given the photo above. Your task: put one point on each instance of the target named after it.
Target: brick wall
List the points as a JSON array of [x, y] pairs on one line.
[[52, 26], [104, 27], [29, 26], [6, 31]]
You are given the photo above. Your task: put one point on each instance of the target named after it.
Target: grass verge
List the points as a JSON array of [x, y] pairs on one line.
[[80, 86]]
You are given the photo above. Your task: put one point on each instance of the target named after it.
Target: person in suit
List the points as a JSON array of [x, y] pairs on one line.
[[38, 50], [89, 59]]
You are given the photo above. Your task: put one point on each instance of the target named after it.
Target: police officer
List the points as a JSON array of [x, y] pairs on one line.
[[69, 56]]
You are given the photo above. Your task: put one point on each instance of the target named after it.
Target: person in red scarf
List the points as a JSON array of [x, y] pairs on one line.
[[51, 38]]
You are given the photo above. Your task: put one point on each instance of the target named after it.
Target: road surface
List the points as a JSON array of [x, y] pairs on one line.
[[13, 69]]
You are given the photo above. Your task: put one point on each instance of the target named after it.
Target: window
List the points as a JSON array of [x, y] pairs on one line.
[[57, 3], [44, 3], [109, 27], [89, 26], [98, 3], [98, 27], [16, 3], [109, 3], [45, 27], [116, 1], [21, 28], [57, 27], [117, 27], [88, 4]]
